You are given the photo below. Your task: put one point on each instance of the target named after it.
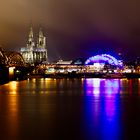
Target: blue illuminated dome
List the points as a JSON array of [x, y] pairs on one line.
[[103, 58]]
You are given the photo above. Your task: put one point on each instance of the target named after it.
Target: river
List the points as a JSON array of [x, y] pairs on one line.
[[70, 109]]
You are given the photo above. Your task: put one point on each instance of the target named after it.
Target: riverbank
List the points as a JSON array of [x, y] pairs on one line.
[[73, 75], [85, 75]]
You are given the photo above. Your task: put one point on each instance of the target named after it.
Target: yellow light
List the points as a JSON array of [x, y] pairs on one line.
[[11, 70]]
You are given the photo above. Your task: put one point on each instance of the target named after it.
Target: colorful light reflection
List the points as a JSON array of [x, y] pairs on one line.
[[105, 86], [102, 103], [93, 86]]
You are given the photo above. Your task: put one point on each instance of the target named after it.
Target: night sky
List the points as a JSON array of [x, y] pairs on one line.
[[75, 28]]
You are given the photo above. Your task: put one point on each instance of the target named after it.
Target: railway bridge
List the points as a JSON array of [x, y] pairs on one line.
[[12, 66]]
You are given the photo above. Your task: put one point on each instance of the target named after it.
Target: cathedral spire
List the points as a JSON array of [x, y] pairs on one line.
[[31, 42], [31, 32], [40, 32]]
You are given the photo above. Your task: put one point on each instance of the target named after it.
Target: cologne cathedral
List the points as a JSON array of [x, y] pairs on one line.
[[35, 52]]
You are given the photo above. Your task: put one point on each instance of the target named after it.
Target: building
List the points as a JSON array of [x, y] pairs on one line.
[[35, 52]]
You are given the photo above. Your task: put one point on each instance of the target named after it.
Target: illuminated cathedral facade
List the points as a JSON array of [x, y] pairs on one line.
[[35, 51]]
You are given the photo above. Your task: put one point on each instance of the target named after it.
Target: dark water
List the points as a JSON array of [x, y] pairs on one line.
[[70, 109]]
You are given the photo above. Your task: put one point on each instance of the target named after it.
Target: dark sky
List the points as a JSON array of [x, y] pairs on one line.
[[75, 28]]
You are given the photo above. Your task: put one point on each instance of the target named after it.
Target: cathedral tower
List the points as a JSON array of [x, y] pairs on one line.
[[41, 47], [31, 43], [41, 42]]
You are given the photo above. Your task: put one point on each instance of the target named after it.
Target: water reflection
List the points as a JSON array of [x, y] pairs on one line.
[[93, 87], [13, 87], [80, 108], [102, 108], [9, 107], [12, 113]]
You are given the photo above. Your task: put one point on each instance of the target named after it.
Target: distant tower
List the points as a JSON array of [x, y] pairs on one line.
[[41, 42], [27, 52], [41, 47], [35, 53], [31, 42]]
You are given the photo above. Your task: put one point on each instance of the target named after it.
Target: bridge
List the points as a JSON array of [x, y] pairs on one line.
[[11, 58], [12, 65]]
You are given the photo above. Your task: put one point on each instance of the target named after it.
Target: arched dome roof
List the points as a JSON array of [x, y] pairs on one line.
[[103, 58]]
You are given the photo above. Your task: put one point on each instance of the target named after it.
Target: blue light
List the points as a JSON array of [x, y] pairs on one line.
[[103, 57]]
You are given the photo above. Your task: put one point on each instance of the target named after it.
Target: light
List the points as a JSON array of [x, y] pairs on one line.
[[17, 71], [11, 70], [97, 65], [102, 58], [127, 71], [50, 70]]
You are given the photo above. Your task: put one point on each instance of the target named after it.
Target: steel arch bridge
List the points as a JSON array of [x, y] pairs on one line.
[[103, 58], [11, 58], [3, 57]]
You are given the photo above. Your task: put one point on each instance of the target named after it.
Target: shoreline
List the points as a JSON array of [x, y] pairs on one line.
[[74, 75], [87, 75]]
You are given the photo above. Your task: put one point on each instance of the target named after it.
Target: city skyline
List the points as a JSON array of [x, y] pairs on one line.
[[74, 29]]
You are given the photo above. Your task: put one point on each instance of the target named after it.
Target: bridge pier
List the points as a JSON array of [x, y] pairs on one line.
[[4, 74]]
